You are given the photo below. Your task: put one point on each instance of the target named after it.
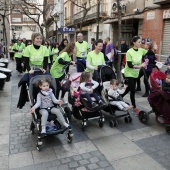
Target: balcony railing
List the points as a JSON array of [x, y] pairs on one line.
[[161, 1], [92, 13]]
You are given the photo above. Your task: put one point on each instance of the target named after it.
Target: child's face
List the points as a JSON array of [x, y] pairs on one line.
[[168, 79], [114, 86], [44, 86]]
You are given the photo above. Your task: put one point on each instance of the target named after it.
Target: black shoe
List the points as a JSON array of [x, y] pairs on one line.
[[138, 89], [94, 105], [101, 103], [145, 95]]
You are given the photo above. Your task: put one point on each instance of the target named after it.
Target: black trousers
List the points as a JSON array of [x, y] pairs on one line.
[[145, 80], [58, 80], [18, 64], [88, 97], [11, 56], [131, 82]]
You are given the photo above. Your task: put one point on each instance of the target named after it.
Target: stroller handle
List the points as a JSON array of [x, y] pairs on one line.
[[72, 64]]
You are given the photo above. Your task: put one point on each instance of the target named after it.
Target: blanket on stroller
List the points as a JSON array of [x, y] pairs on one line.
[[160, 101]]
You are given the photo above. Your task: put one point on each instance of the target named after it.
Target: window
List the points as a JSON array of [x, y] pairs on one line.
[[18, 28]]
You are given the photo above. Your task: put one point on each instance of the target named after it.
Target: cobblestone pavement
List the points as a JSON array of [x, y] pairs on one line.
[[132, 146]]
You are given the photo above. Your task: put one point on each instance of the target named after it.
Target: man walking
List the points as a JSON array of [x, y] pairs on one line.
[[81, 50]]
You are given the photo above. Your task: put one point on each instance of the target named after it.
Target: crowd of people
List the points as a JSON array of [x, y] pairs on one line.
[[39, 54]]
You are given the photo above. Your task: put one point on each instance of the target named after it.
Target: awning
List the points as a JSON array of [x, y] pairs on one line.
[[124, 18]]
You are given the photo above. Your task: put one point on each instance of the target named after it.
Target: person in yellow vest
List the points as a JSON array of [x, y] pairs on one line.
[[36, 55], [95, 59], [10, 50], [55, 52], [46, 43], [56, 71], [18, 48], [81, 51]]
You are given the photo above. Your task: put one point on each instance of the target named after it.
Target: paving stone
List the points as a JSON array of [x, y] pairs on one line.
[[94, 160], [65, 160], [15, 160], [77, 157], [73, 165], [63, 167], [14, 151], [86, 155], [81, 168], [104, 164], [93, 166], [84, 162]]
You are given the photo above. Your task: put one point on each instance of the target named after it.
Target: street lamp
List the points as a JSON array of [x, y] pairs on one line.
[[56, 18]]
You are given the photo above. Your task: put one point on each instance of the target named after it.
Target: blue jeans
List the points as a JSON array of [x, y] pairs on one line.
[[88, 97], [81, 63]]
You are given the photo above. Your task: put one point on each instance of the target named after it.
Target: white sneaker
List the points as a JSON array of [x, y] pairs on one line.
[[161, 119], [43, 131]]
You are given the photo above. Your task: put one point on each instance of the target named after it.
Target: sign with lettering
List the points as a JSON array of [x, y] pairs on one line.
[[66, 30], [166, 14], [150, 15]]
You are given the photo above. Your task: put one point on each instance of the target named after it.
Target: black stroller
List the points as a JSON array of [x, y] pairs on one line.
[[81, 108], [32, 91], [105, 75]]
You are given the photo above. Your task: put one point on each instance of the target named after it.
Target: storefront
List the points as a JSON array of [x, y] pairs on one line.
[[166, 34]]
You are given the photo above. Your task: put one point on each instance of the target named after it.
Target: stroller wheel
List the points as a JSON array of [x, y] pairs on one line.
[[101, 123], [32, 127], [68, 113], [111, 123], [69, 138], [38, 147], [143, 117], [130, 119], [115, 123], [126, 120], [168, 129]]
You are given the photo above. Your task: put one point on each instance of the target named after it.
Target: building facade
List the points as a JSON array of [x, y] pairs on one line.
[[54, 19], [21, 24]]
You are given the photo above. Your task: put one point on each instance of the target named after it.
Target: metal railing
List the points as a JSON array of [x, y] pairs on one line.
[[92, 13]]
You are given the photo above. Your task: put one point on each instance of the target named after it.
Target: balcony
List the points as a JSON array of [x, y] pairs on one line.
[[92, 13], [160, 2]]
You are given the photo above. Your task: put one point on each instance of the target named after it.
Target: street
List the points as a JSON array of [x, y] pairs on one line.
[[133, 146]]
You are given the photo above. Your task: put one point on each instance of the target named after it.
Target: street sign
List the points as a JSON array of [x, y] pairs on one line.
[[66, 30]]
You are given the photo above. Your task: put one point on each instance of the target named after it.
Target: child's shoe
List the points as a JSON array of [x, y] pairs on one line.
[[94, 105], [43, 130], [136, 111]]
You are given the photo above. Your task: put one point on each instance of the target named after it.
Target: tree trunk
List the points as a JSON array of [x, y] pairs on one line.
[[5, 36]]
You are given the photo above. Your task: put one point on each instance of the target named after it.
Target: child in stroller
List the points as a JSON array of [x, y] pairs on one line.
[[87, 87], [45, 100], [114, 96]]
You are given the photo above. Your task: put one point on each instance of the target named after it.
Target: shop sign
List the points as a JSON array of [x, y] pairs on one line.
[[66, 30], [150, 15], [166, 14]]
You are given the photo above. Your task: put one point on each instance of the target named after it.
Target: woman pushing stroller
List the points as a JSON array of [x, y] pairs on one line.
[[46, 100]]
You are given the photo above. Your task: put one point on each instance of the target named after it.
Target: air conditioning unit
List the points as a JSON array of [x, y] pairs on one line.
[[115, 8]]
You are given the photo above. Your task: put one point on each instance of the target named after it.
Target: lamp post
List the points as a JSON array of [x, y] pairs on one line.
[[98, 17], [56, 17]]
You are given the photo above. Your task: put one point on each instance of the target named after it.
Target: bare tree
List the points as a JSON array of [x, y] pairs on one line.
[[5, 6], [85, 9], [40, 10]]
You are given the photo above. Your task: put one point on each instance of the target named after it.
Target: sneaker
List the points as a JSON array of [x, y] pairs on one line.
[[145, 95], [161, 119], [138, 89], [43, 131], [94, 105], [135, 111]]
